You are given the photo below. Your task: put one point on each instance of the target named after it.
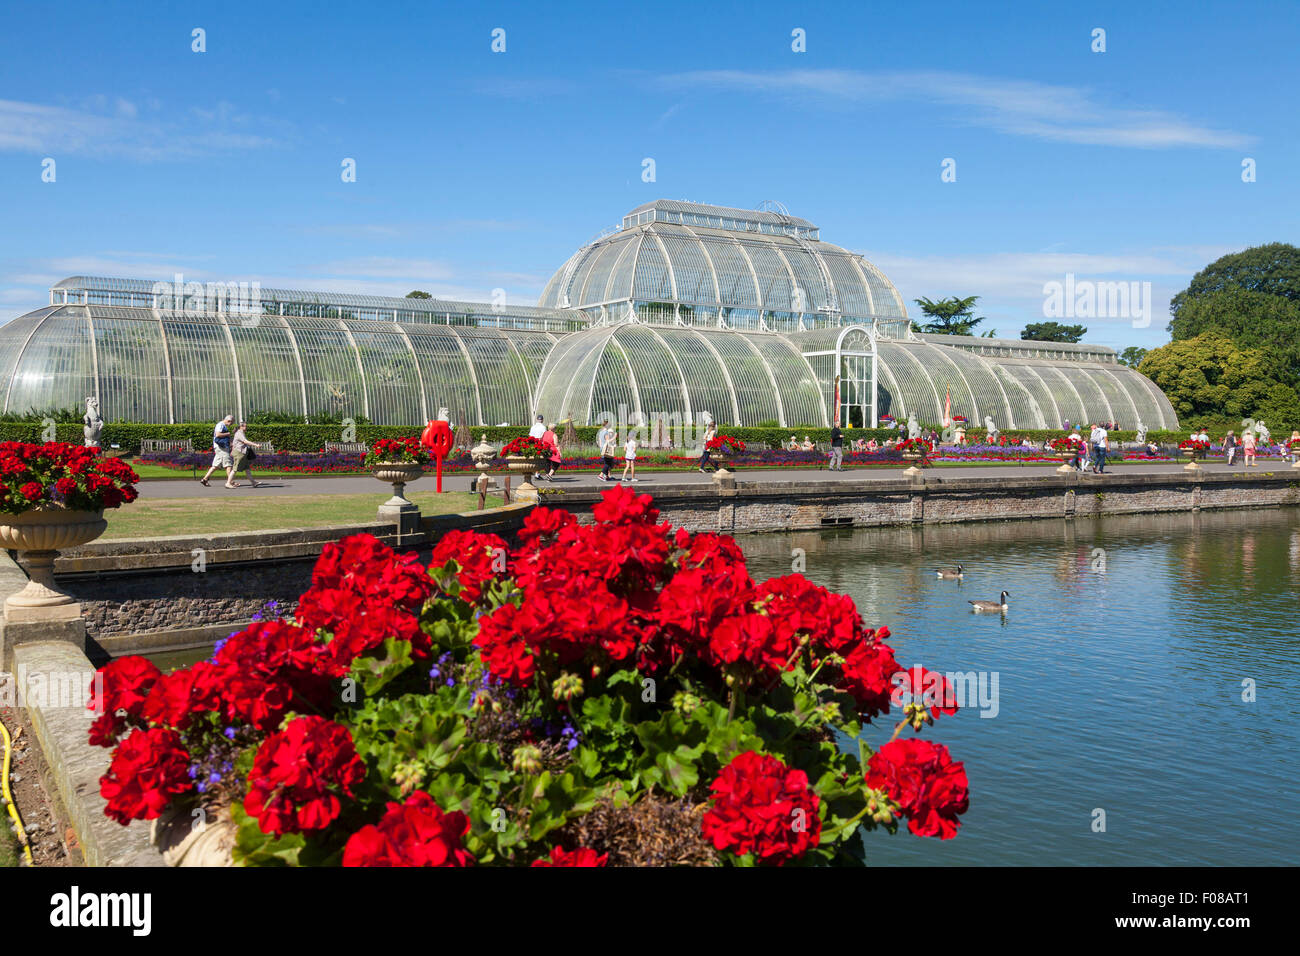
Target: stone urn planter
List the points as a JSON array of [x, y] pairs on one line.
[[482, 453], [1192, 455], [398, 509], [916, 461], [528, 467], [40, 534], [193, 837]]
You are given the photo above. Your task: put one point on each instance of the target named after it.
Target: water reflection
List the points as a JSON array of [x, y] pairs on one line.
[[1122, 661]]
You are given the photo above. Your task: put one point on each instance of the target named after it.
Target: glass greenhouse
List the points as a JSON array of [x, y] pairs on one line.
[[684, 310]]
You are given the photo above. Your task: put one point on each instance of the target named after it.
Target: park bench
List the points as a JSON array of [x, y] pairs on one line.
[[347, 447], [166, 444]]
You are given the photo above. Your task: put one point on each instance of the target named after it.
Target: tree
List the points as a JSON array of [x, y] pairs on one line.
[[1053, 332], [417, 294], [1132, 356], [1273, 269], [1212, 376], [950, 316], [1251, 319]]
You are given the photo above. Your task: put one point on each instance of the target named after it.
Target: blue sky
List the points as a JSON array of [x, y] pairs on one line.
[[479, 170]]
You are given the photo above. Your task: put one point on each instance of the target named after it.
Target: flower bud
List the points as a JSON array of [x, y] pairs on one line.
[[567, 687], [526, 759]]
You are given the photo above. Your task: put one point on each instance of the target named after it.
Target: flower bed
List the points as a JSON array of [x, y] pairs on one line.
[[526, 447], [614, 693], [59, 475], [406, 450], [725, 445]]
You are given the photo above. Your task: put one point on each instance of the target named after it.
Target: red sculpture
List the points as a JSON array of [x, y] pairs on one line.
[[438, 439]]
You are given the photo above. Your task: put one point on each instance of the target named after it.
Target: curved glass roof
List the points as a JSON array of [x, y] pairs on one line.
[[734, 377], [713, 261], [157, 366], [741, 378]]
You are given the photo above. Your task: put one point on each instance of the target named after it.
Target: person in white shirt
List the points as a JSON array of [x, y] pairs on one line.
[[538, 429], [221, 457], [605, 440], [1100, 441], [629, 460]]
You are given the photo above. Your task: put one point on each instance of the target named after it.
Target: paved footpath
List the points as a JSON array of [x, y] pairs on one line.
[[461, 481]]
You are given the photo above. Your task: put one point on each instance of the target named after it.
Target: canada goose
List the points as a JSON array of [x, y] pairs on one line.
[[999, 605], [950, 574]]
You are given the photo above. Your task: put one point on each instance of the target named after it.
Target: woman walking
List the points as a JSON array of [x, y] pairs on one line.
[[710, 433], [245, 452], [1230, 446], [553, 458], [629, 460], [1248, 446], [606, 441]]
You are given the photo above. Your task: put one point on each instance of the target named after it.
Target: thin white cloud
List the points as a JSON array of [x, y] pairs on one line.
[[1016, 107], [115, 128]]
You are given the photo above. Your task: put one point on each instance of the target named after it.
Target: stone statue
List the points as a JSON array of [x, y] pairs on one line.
[[1265, 436], [93, 422], [913, 427], [991, 429], [1141, 433]]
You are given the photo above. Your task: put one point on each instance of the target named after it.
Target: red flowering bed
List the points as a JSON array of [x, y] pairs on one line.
[[925, 447], [526, 447], [1067, 444], [59, 475], [589, 695], [725, 444], [405, 450], [1191, 444]]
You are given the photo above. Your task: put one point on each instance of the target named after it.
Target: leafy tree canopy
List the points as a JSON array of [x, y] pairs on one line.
[[1273, 269], [1210, 375], [1132, 356], [417, 294], [950, 316], [1251, 319], [1053, 332]]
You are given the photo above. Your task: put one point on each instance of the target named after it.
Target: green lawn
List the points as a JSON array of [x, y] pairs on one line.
[[209, 515]]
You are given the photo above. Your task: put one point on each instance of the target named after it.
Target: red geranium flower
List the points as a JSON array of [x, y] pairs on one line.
[[479, 558], [928, 688], [125, 683], [298, 775], [582, 856], [149, 768], [924, 780], [414, 833], [868, 671], [31, 490], [761, 806]]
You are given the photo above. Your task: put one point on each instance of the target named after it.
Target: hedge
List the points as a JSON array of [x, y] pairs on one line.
[[308, 438]]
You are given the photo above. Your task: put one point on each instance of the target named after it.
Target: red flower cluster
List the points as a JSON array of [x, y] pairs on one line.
[[928, 688], [268, 669], [363, 592], [414, 833], [122, 685], [761, 806], [149, 768], [582, 856], [59, 475], [526, 446], [925, 781], [298, 775], [726, 444], [406, 449], [479, 558]]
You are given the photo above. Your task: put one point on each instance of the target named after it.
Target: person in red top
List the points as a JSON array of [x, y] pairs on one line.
[[553, 457]]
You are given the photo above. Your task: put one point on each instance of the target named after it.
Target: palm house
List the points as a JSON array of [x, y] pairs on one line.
[[684, 310]]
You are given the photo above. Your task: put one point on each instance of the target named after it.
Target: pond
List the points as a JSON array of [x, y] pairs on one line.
[[1121, 667]]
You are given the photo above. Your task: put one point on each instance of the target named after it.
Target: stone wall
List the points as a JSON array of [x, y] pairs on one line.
[[185, 591], [737, 507]]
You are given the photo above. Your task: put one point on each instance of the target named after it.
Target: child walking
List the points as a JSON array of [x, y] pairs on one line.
[[629, 460]]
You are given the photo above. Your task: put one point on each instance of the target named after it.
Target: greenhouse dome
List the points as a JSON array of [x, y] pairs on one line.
[[691, 264]]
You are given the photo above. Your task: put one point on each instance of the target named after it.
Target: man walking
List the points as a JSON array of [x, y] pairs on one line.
[[221, 438], [1100, 442], [605, 444], [837, 449], [538, 429]]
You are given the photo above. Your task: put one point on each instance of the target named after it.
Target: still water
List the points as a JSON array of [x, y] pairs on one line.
[[1120, 664]]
